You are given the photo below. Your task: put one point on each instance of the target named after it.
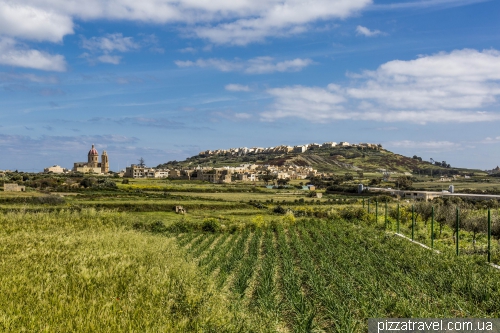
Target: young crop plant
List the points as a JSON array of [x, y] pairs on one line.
[[247, 266], [265, 292], [299, 309]]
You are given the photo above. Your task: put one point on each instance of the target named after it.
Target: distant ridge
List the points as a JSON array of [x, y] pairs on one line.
[[326, 157]]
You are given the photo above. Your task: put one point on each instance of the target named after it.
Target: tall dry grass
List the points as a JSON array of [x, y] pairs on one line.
[[89, 272]]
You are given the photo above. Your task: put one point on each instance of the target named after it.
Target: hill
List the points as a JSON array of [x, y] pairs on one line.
[[333, 160]]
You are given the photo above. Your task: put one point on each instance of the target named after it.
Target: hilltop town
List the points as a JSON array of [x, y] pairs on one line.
[[285, 149], [250, 172]]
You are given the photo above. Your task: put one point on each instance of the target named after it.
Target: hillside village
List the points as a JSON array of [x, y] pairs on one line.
[[245, 172], [285, 149]]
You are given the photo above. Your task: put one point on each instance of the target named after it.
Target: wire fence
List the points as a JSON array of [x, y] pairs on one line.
[[463, 229]]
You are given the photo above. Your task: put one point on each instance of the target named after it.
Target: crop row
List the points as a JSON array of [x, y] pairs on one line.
[[332, 276]]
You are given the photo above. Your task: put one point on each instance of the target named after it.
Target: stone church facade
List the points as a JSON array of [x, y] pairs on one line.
[[92, 165]]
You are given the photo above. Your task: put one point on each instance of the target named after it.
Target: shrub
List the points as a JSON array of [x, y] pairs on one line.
[[211, 224], [50, 200], [257, 222], [353, 213], [157, 227], [279, 210], [288, 219]]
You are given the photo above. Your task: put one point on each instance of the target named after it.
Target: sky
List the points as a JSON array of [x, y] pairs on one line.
[[166, 79]]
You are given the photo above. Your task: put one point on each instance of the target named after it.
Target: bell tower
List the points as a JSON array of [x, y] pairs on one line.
[[104, 162], [93, 157]]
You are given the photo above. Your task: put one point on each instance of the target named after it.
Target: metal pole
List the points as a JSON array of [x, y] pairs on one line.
[[432, 228], [489, 235], [398, 220], [412, 221], [376, 211], [386, 214], [457, 226]]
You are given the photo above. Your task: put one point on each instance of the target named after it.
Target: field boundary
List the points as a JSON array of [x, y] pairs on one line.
[[438, 252], [413, 241]]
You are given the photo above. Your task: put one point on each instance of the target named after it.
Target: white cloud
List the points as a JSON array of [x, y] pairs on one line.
[[261, 65], [220, 64], [15, 54], [461, 79], [237, 87], [188, 50], [258, 65], [109, 59], [234, 22], [20, 19], [446, 87], [110, 43], [278, 18], [490, 140], [360, 30]]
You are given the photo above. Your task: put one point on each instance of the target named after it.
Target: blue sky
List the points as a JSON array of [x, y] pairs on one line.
[[165, 79]]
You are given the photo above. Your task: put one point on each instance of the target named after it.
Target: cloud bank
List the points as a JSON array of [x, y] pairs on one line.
[[445, 87]]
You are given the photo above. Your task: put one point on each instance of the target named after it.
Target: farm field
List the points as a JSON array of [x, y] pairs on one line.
[[240, 261], [332, 276]]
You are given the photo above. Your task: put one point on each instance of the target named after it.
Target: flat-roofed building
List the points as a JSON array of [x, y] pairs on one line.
[[13, 188]]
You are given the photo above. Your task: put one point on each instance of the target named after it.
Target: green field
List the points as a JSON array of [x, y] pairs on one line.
[[240, 260]]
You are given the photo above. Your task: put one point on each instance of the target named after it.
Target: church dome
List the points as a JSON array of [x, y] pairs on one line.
[[93, 151]]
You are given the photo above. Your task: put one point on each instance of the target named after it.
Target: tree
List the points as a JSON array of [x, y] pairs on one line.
[[348, 176], [87, 182], [404, 182], [267, 177], [141, 163], [283, 181]]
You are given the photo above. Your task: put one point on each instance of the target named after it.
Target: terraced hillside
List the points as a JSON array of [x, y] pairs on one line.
[[336, 159]]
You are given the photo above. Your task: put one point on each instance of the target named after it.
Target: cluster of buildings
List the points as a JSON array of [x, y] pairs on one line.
[[285, 149], [244, 172], [91, 166]]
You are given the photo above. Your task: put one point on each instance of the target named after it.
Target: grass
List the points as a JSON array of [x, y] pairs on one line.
[[90, 272], [123, 261]]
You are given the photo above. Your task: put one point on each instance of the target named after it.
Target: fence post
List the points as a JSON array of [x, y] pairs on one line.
[[457, 226], [368, 205], [412, 221], [432, 228], [376, 211], [489, 235], [363, 203], [385, 223], [398, 219]]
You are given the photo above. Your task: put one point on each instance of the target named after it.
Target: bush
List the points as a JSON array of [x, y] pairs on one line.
[[257, 222], [353, 213], [50, 200], [288, 219], [279, 210], [211, 224], [157, 227]]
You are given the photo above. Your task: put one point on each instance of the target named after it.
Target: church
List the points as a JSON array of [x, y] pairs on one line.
[[92, 165]]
